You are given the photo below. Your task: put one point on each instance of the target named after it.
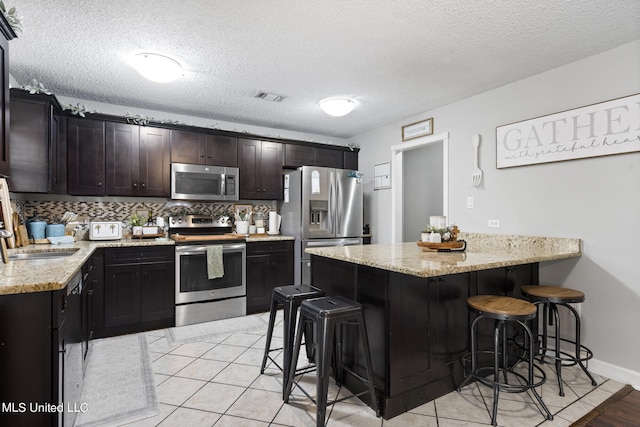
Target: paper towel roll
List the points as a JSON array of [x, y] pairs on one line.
[[274, 222]]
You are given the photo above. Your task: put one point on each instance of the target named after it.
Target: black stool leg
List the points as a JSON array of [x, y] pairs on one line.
[[469, 375], [556, 317], [324, 348], [272, 321], [294, 360], [529, 339], [578, 345], [362, 331], [496, 369], [289, 329]]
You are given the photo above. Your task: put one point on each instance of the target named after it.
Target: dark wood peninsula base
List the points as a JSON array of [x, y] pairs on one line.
[[418, 327]]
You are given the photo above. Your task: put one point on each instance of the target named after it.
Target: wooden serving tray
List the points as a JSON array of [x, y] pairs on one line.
[[146, 236], [458, 245]]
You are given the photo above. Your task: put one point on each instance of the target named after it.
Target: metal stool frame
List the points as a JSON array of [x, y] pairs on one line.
[[560, 357], [328, 315], [500, 366], [290, 298]]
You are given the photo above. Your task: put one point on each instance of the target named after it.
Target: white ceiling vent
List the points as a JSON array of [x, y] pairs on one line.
[[269, 96]]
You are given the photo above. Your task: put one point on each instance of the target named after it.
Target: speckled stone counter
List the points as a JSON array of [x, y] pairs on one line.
[[415, 305], [40, 275], [484, 251]]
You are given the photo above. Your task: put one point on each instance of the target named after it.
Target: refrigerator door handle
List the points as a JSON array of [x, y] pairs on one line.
[[331, 207], [339, 207]]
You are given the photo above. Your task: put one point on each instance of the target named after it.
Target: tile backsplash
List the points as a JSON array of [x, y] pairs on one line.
[[122, 211]]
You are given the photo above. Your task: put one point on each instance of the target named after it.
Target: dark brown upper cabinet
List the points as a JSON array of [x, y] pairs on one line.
[[260, 164], [299, 155], [296, 155], [203, 148], [86, 157], [7, 34], [38, 156], [137, 160], [351, 160], [330, 158]]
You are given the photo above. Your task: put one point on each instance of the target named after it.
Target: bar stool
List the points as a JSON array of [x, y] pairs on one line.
[[290, 298], [503, 309], [327, 315], [550, 297]]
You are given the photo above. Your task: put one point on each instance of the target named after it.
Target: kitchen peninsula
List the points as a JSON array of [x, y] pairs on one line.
[[415, 304]]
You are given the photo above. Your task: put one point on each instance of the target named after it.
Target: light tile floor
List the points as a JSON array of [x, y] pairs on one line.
[[218, 383]]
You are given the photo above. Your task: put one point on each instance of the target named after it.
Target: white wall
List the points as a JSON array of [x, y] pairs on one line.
[[596, 199]]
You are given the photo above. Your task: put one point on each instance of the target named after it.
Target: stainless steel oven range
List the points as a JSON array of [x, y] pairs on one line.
[[198, 298]]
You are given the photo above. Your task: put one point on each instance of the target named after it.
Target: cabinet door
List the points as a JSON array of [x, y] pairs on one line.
[[4, 107], [258, 284], [188, 147], [248, 163], [85, 157], [429, 325], [58, 163], [30, 167], [260, 164], [222, 150], [351, 160], [122, 147], [270, 170], [330, 158], [157, 292], [154, 165], [299, 155], [121, 295], [281, 269]]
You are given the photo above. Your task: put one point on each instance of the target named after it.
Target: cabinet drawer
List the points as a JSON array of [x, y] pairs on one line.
[[137, 255], [262, 248]]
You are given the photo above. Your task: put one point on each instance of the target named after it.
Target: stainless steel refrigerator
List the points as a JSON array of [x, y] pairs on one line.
[[322, 207]]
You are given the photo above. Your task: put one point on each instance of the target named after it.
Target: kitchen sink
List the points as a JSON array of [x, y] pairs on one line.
[[41, 255]]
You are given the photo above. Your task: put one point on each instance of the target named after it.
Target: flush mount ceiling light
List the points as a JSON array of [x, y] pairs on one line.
[[337, 107], [157, 68]]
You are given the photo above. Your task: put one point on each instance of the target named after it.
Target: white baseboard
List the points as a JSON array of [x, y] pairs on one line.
[[617, 373]]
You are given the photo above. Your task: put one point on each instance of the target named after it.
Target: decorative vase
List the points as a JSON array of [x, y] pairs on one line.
[[136, 230], [424, 237]]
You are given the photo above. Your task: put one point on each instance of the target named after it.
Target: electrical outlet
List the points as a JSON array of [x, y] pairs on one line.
[[470, 202], [494, 223]]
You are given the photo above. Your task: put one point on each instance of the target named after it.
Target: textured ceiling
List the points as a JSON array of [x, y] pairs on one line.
[[396, 58]]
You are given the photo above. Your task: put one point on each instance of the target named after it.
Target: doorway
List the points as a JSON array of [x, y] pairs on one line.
[[398, 181], [422, 189]]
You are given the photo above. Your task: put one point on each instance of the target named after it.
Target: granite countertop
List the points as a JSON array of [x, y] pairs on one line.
[[39, 275], [484, 251]]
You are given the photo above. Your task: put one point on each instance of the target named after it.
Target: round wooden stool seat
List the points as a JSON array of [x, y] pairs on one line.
[[502, 308], [554, 294]]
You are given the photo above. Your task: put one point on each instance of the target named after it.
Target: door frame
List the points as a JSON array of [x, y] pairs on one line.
[[397, 153]]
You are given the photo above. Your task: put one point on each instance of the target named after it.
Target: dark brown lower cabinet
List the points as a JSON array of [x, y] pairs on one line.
[[40, 356], [269, 264], [138, 289], [418, 327]]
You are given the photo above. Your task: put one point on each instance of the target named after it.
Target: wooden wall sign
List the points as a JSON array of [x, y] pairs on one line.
[[610, 127]]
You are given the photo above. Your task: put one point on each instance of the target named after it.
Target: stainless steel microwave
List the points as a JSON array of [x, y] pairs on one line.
[[200, 182]]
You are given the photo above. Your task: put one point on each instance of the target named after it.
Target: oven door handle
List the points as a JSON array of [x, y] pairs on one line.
[[196, 250]]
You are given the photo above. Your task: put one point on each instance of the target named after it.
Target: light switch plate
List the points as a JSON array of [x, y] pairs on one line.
[[470, 202]]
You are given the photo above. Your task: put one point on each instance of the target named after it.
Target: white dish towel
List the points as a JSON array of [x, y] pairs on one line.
[[215, 266]]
